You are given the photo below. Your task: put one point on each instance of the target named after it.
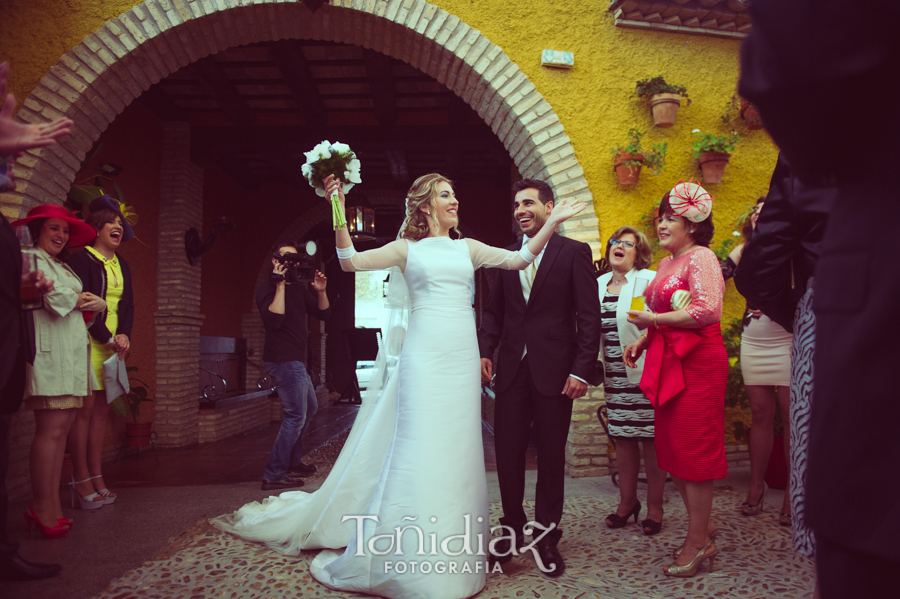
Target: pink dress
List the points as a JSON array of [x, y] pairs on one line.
[[686, 370]]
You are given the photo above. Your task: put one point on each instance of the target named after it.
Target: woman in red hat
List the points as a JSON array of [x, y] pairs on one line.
[[105, 273], [60, 374]]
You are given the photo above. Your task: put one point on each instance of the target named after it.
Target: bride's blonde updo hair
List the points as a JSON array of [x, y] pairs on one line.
[[422, 194]]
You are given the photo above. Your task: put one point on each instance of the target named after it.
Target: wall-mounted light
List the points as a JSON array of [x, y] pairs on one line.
[[361, 222], [557, 58]]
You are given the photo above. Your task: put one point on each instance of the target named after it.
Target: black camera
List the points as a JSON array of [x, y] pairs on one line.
[[299, 267]]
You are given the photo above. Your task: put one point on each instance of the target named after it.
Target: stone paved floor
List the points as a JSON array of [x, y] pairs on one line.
[[756, 560], [138, 547]]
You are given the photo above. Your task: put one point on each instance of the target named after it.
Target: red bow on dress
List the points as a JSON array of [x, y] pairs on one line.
[[663, 376]]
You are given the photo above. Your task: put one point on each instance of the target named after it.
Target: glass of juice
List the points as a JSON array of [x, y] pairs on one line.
[[31, 297], [637, 294]]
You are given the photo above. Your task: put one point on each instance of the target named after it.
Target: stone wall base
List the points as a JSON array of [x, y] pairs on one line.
[[217, 424]]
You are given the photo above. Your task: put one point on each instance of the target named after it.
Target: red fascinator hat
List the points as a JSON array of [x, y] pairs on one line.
[[80, 233], [691, 201]]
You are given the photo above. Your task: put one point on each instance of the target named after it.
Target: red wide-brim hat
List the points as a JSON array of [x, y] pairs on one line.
[[80, 233]]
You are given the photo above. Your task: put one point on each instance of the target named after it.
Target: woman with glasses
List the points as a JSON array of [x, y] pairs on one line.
[[630, 413], [765, 366]]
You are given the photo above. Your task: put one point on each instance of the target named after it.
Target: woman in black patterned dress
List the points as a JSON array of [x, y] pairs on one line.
[[630, 413]]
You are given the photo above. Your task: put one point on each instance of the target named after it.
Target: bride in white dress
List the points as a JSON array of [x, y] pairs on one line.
[[405, 504]]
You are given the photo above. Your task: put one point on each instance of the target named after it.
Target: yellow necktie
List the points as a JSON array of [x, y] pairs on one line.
[[530, 273]]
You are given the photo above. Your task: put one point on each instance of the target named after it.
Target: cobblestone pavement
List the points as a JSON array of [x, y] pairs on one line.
[[756, 559]]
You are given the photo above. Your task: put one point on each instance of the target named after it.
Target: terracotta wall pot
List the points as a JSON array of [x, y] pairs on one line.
[[628, 174], [750, 115], [137, 434], [664, 108], [712, 164]]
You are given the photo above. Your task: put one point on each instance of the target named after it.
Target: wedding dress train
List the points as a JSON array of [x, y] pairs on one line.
[[407, 497]]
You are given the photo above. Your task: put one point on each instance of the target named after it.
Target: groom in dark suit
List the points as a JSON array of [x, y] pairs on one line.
[[546, 320]]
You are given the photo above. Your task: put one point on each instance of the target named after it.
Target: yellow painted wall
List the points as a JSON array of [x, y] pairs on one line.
[[593, 100]]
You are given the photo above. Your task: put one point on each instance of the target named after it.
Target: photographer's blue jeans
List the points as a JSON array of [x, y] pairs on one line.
[[298, 398]]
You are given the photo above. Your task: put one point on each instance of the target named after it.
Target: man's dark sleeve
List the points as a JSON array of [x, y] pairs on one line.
[[763, 275], [587, 308], [492, 317], [312, 306], [264, 297]]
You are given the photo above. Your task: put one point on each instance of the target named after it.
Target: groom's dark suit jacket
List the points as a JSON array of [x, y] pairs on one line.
[[560, 324]]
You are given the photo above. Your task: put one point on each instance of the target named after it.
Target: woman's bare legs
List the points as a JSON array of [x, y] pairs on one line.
[[78, 441], [48, 449], [762, 407], [628, 458], [698, 498], [96, 436], [656, 482]]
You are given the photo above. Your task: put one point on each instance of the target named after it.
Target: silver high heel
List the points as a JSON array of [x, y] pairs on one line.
[[107, 495], [94, 501], [753, 510]]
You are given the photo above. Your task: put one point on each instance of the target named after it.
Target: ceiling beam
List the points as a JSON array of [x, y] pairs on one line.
[[458, 113], [299, 80], [381, 82], [224, 91], [399, 168], [409, 138], [162, 105]]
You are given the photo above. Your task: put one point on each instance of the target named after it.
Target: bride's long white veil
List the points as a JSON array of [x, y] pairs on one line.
[[295, 520]]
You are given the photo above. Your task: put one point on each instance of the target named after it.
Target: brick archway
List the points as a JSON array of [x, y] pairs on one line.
[[94, 82], [99, 77]]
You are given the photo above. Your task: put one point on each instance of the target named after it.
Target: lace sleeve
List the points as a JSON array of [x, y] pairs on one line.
[[707, 287], [491, 257], [392, 254]]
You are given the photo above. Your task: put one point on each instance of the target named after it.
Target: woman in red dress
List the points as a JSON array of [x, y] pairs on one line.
[[686, 368]]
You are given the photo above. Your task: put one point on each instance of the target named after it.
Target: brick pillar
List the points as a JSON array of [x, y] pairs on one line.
[[253, 331], [586, 447], [178, 317]]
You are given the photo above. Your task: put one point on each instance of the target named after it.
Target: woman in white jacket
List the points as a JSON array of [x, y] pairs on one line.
[[630, 414]]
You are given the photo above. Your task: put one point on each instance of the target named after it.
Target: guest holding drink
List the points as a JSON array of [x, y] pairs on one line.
[[630, 412], [686, 369], [61, 374], [105, 274], [765, 366]]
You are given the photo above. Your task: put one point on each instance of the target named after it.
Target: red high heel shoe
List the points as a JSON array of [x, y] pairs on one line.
[[48, 532]]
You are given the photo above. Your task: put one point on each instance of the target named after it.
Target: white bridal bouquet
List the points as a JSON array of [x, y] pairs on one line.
[[332, 159]]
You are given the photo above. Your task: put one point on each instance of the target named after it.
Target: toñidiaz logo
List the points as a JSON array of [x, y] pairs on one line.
[[428, 545]]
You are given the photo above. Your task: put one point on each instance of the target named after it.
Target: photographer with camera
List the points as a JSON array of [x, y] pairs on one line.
[[283, 303]]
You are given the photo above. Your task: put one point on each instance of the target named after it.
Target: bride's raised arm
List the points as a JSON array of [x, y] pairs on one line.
[[391, 254], [491, 257]]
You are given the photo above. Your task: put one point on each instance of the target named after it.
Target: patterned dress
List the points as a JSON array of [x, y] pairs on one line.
[[801, 405], [630, 413]]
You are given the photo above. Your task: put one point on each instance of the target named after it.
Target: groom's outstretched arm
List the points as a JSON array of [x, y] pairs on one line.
[[587, 308], [491, 321]]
